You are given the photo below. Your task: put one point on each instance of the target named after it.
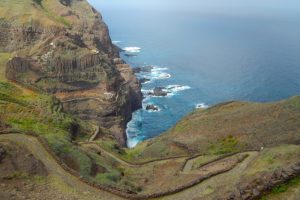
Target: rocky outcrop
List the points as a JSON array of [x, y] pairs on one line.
[[159, 92], [146, 69], [144, 80], [152, 107], [253, 189], [68, 52]]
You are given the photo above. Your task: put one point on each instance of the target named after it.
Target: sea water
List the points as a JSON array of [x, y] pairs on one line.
[[204, 52]]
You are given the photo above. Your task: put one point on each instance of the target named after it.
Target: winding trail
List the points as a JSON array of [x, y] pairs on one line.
[[93, 137], [214, 169], [54, 169], [126, 163]]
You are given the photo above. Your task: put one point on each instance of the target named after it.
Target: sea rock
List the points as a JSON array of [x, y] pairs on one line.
[[152, 107], [146, 69], [159, 92], [144, 80], [130, 55]]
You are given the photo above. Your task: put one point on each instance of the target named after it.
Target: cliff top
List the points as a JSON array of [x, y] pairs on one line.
[[60, 13]]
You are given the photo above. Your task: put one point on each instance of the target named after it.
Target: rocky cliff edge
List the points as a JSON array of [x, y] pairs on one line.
[[63, 47]]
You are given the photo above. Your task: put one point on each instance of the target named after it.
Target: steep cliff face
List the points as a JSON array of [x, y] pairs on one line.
[[63, 47]]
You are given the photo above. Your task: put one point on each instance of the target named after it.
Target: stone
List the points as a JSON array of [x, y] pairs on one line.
[[152, 107], [144, 80], [145, 69], [158, 91], [255, 192]]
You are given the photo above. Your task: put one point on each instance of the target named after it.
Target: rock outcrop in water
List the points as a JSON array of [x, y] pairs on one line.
[[64, 48], [159, 92]]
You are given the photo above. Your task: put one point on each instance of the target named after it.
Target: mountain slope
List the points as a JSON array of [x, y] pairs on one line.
[[228, 127], [65, 98], [63, 48]]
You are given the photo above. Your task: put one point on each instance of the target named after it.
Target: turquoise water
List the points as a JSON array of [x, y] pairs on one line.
[[212, 51]]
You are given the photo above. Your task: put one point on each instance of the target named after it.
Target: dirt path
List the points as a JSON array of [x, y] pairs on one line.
[[97, 131], [188, 166], [124, 162], [227, 167], [55, 170]]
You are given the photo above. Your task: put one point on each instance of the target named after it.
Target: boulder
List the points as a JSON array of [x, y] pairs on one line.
[[146, 69], [151, 107], [144, 80], [159, 92]]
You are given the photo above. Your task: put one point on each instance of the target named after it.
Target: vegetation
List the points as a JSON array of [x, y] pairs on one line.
[[271, 129], [109, 178], [227, 128], [272, 159], [282, 188], [224, 146]]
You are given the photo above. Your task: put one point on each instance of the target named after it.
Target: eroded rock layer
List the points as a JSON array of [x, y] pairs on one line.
[[64, 48]]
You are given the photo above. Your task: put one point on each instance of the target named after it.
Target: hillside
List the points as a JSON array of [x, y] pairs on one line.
[[64, 48], [65, 99], [229, 127]]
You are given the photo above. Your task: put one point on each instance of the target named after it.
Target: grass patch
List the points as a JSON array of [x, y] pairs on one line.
[[16, 175], [295, 102], [110, 178], [39, 179], [224, 146], [4, 57], [58, 19]]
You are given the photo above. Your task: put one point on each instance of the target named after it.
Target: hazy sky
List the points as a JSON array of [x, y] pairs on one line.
[[205, 6]]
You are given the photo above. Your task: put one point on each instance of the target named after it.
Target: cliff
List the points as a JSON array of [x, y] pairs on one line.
[[63, 47], [67, 86]]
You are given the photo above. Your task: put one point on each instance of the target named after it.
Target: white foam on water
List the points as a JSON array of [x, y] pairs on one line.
[[145, 92], [156, 68], [133, 129], [159, 73], [146, 82], [154, 111], [116, 42], [201, 106], [164, 76], [174, 89], [132, 142], [132, 49]]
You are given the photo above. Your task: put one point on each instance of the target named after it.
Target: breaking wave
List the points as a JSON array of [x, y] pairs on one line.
[[132, 49], [201, 106]]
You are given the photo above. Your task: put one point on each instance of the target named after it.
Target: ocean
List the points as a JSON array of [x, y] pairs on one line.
[[205, 52]]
